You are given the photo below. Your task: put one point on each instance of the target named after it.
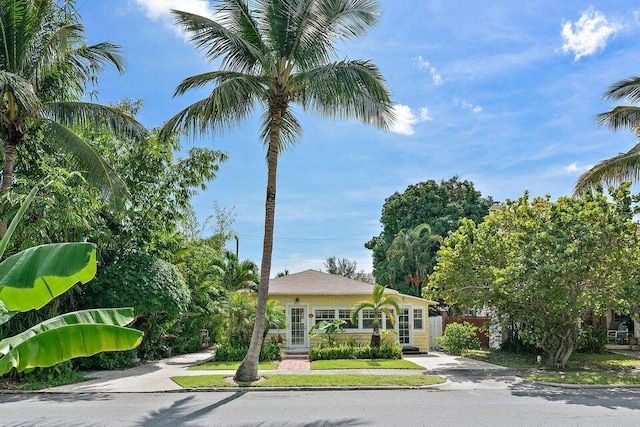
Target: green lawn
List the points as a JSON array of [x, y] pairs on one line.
[[364, 364], [582, 361], [313, 380], [602, 378], [227, 366], [503, 358], [28, 383], [602, 369]]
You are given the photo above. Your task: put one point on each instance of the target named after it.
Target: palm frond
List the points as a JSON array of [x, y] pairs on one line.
[[255, 84], [48, 53], [390, 314], [617, 169], [19, 25], [349, 89], [358, 308], [96, 169], [390, 301], [227, 105], [235, 15], [19, 91], [215, 41], [349, 18], [621, 117], [83, 63], [625, 89], [290, 129], [305, 30], [90, 114]]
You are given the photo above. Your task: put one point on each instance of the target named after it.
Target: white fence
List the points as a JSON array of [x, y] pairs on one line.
[[435, 330]]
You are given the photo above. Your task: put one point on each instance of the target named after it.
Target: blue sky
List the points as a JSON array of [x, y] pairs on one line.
[[501, 93]]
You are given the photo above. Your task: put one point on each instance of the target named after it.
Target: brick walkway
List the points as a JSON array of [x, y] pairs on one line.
[[294, 365]]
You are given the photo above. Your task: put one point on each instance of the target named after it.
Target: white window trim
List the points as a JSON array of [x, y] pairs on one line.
[[336, 311], [413, 324]]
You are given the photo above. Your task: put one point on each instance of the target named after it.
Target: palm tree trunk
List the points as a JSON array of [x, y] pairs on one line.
[[375, 335], [248, 369], [7, 173]]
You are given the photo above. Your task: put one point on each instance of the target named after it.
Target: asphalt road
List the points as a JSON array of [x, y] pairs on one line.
[[521, 405]]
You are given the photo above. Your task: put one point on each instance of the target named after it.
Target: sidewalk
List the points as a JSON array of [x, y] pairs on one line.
[[156, 376]]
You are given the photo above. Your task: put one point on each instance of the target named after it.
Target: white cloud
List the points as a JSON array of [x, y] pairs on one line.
[[573, 168], [405, 119], [160, 10], [423, 64], [467, 105], [589, 34], [425, 115]]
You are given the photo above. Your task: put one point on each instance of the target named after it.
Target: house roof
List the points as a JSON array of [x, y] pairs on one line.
[[313, 282]]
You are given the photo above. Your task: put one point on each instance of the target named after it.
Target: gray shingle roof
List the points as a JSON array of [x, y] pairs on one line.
[[312, 282]]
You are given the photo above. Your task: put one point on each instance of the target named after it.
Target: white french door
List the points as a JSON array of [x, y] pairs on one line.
[[297, 327], [404, 327]]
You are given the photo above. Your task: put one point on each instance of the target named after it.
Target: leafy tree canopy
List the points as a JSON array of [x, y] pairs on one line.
[[546, 264], [161, 185], [442, 206], [346, 268]]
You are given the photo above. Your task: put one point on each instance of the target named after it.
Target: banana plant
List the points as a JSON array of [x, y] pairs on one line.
[[32, 278]]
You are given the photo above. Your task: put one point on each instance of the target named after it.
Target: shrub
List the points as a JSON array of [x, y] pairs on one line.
[[387, 350], [236, 352], [153, 287], [458, 337], [109, 360], [593, 341]]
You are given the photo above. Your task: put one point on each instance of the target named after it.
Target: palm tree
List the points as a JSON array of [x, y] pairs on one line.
[[275, 317], [624, 166], [45, 67], [411, 256], [234, 275], [380, 304], [275, 54]]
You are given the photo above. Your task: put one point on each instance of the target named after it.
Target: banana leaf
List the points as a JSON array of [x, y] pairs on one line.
[[71, 335], [33, 277]]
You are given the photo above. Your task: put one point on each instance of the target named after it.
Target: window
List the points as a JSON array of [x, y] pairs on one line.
[[321, 315], [367, 318], [418, 315], [346, 316]]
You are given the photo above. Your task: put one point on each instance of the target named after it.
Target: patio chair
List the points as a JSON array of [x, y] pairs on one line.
[[622, 335], [613, 329]]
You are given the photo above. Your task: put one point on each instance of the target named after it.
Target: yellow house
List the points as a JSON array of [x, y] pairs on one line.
[[312, 296]]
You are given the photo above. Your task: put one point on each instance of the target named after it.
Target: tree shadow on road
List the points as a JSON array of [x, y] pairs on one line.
[[181, 412], [611, 398], [54, 397]]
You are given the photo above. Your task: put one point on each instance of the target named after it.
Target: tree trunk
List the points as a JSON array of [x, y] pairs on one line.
[[7, 171], [248, 369], [375, 337]]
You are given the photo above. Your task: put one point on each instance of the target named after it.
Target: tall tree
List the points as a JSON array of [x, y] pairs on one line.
[[275, 54], [410, 257], [547, 265], [346, 268], [440, 205], [45, 67], [234, 275], [624, 166]]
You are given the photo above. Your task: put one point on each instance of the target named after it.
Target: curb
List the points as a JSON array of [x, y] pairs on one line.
[[232, 389]]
